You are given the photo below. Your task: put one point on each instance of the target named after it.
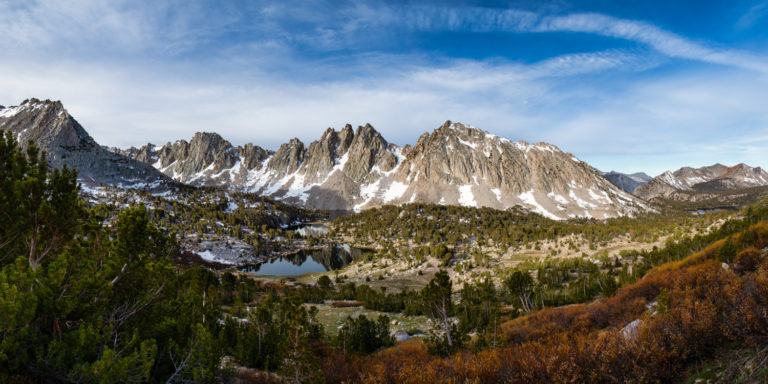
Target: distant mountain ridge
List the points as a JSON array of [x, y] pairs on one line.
[[65, 141], [627, 182], [686, 182], [358, 169]]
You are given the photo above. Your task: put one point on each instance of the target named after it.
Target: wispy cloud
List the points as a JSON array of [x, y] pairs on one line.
[[753, 15], [137, 72], [663, 41]]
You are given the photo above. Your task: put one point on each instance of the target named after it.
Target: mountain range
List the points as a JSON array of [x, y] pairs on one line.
[[689, 183], [354, 169], [357, 168]]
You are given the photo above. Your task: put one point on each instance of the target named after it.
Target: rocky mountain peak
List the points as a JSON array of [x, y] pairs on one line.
[[206, 159], [47, 123], [322, 155], [65, 141], [204, 150], [253, 156], [345, 138], [288, 157], [367, 150]]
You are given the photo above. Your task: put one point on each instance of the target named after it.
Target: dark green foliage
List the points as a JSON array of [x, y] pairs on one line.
[[432, 224], [520, 287], [277, 334], [405, 301], [257, 220], [361, 335], [438, 305], [479, 311], [87, 303], [727, 253], [39, 208]]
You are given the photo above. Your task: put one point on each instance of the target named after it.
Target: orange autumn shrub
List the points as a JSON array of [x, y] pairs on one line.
[[709, 306]]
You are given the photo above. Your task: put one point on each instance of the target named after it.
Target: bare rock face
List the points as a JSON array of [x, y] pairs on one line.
[[353, 170], [368, 150], [66, 142], [288, 158], [458, 164], [253, 156], [694, 183], [207, 159], [144, 154], [321, 156]]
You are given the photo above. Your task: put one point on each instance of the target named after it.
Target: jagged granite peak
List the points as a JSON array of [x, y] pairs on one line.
[[253, 156], [454, 164], [627, 182], [288, 158], [207, 159], [345, 138], [144, 154], [708, 179], [322, 154], [66, 142], [367, 151], [206, 150]]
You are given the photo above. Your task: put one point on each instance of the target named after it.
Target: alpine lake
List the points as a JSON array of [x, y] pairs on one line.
[[324, 258]]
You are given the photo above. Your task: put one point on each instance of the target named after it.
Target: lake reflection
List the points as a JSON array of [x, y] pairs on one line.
[[328, 258]]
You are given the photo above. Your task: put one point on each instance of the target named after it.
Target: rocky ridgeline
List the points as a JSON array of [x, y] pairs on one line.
[[687, 183], [349, 169], [358, 169]]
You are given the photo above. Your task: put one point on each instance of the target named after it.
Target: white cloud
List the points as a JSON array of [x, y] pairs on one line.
[[133, 74], [665, 42]]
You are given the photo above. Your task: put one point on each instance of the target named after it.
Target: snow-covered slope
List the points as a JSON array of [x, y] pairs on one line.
[[346, 169]]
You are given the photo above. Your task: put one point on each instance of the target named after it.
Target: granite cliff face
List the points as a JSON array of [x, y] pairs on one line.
[[65, 141], [358, 169], [696, 183], [627, 183]]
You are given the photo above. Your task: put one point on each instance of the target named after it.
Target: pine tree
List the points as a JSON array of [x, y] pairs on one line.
[[439, 307]]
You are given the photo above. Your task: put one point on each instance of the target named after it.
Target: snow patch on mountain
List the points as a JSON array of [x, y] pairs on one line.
[[466, 197], [396, 190], [529, 199]]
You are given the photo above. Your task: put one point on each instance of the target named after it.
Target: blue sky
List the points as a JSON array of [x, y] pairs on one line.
[[631, 86]]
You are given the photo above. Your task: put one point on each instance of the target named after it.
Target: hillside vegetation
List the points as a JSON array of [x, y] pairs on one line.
[[683, 313], [87, 300]]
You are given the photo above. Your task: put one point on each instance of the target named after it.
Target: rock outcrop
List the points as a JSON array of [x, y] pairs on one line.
[[66, 142]]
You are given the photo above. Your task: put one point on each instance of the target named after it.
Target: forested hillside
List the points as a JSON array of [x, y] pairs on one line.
[[85, 302], [84, 299], [660, 329]]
